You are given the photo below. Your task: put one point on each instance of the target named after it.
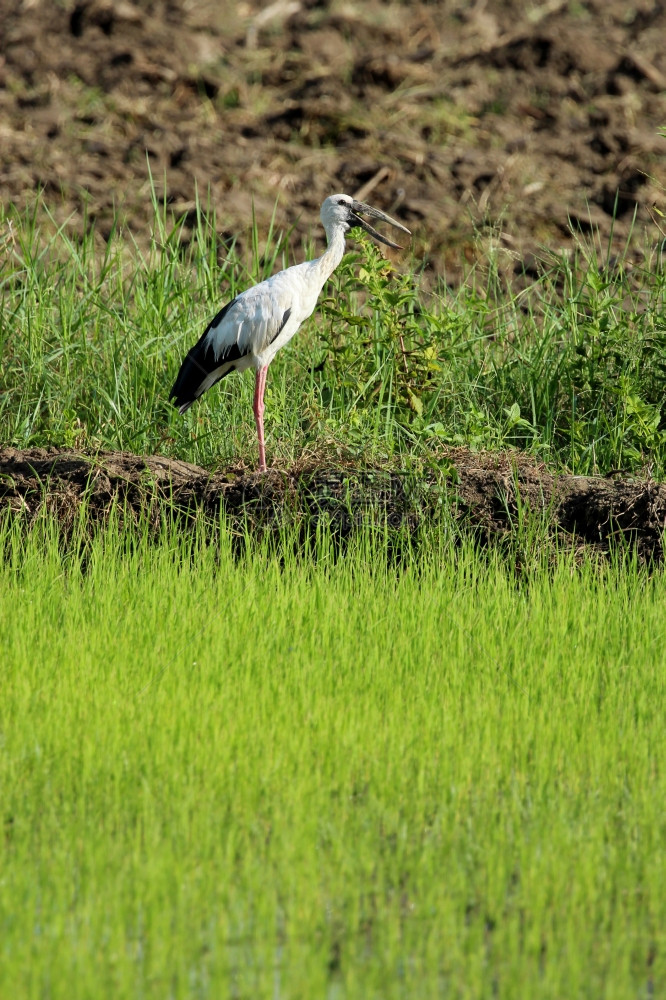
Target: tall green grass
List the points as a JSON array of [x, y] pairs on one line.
[[91, 340], [268, 776]]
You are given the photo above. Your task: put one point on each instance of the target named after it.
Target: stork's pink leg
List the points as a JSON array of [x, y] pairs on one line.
[[259, 386]]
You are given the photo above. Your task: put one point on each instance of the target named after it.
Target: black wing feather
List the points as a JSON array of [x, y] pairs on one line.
[[285, 317], [200, 362]]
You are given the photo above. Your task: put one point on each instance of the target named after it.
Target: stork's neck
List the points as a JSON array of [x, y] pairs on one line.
[[327, 263]]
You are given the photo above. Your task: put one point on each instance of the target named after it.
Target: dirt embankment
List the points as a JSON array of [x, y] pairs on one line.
[[489, 495], [492, 123]]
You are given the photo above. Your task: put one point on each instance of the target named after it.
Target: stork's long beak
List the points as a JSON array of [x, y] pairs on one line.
[[374, 213]]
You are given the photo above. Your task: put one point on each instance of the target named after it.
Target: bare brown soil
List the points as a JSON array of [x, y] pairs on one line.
[[493, 122], [489, 495]]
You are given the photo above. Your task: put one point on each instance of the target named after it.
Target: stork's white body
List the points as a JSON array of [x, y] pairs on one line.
[[251, 329], [254, 321]]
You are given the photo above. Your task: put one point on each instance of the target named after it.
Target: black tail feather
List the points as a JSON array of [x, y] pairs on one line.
[[200, 367]]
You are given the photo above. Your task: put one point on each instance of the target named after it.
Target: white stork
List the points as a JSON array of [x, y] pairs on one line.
[[252, 328]]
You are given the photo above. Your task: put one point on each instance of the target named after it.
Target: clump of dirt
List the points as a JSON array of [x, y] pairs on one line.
[[487, 493], [484, 127]]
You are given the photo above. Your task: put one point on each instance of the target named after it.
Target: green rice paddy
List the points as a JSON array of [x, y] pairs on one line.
[[255, 778]]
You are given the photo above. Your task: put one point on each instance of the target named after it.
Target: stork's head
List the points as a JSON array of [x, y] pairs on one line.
[[342, 211]]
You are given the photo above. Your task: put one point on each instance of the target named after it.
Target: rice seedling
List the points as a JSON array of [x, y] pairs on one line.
[[272, 776]]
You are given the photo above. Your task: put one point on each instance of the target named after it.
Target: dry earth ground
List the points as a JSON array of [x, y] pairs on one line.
[[485, 124], [488, 492]]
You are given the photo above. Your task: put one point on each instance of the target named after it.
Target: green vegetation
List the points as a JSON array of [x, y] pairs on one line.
[[248, 769], [291, 777], [571, 368]]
